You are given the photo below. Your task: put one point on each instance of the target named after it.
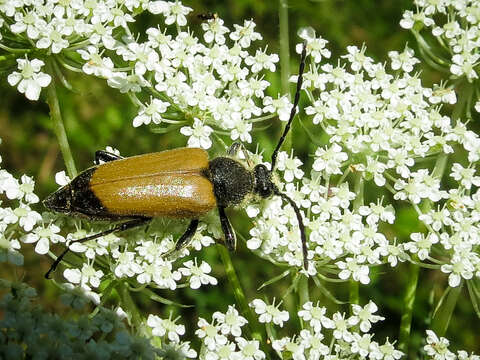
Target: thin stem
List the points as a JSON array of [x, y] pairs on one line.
[[129, 305], [443, 315], [245, 310], [353, 293], [303, 292], [58, 127], [408, 301], [284, 58], [284, 46]]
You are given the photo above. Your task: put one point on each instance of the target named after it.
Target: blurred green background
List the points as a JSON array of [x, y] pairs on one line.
[[96, 116]]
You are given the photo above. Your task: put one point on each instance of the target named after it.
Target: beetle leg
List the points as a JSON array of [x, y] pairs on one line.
[[234, 149], [184, 240], [105, 156], [120, 227], [230, 238]]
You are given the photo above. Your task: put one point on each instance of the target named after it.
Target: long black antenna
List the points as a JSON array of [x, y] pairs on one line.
[[295, 104], [301, 226]]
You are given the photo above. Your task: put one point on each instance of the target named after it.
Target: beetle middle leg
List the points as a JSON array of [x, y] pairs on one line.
[[105, 156], [184, 240], [120, 227], [230, 238]]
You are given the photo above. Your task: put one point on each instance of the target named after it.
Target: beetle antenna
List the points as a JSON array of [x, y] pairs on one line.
[[301, 226], [295, 104]]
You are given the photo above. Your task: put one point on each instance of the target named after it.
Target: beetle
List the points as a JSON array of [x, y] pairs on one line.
[[180, 183]]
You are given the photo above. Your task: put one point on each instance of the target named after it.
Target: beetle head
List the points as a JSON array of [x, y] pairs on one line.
[[263, 181], [59, 200]]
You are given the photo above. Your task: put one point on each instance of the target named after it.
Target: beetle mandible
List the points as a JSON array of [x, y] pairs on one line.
[[180, 183]]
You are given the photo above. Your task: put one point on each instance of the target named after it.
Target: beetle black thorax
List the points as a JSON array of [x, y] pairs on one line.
[[231, 181]]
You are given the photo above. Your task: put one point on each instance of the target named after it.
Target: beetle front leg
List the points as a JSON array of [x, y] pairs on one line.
[[105, 156], [230, 238], [120, 227], [187, 236]]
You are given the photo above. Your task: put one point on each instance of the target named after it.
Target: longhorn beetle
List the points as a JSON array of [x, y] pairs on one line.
[[180, 183]]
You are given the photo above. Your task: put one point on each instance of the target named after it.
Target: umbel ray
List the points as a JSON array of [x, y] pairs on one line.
[[180, 183]]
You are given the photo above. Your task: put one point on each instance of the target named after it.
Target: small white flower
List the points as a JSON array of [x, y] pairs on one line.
[[290, 165], [209, 333], [151, 113], [43, 235], [245, 34], [351, 268], [30, 79], [315, 315], [269, 313], [199, 134], [88, 275], [27, 218], [459, 267], [437, 348], [160, 327], [404, 60], [364, 316], [198, 274], [250, 350], [230, 322], [315, 45]]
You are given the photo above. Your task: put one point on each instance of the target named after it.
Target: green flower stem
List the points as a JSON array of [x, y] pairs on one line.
[[408, 301], [444, 313], [129, 305], [58, 128], [303, 293], [284, 46], [353, 291], [414, 270], [245, 310], [284, 58]]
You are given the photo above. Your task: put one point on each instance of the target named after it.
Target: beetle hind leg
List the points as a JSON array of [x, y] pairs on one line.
[[105, 156], [120, 227]]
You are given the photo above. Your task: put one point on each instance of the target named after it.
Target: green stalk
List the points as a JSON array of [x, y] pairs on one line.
[[353, 291], [129, 305], [58, 127], [414, 270], [408, 301], [284, 46], [443, 315], [303, 293], [245, 310], [284, 58]]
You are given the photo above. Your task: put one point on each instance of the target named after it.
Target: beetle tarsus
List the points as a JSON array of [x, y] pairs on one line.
[[120, 227], [105, 156], [184, 240]]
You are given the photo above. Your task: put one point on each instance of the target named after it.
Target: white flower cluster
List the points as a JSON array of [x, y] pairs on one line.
[[222, 338], [145, 259], [18, 221], [346, 343], [169, 332], [175, 77], [381, 128], [453, 24], [28, 331]]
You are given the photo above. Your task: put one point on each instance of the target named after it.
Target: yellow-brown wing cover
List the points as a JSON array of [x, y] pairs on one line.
[[164, 184]]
